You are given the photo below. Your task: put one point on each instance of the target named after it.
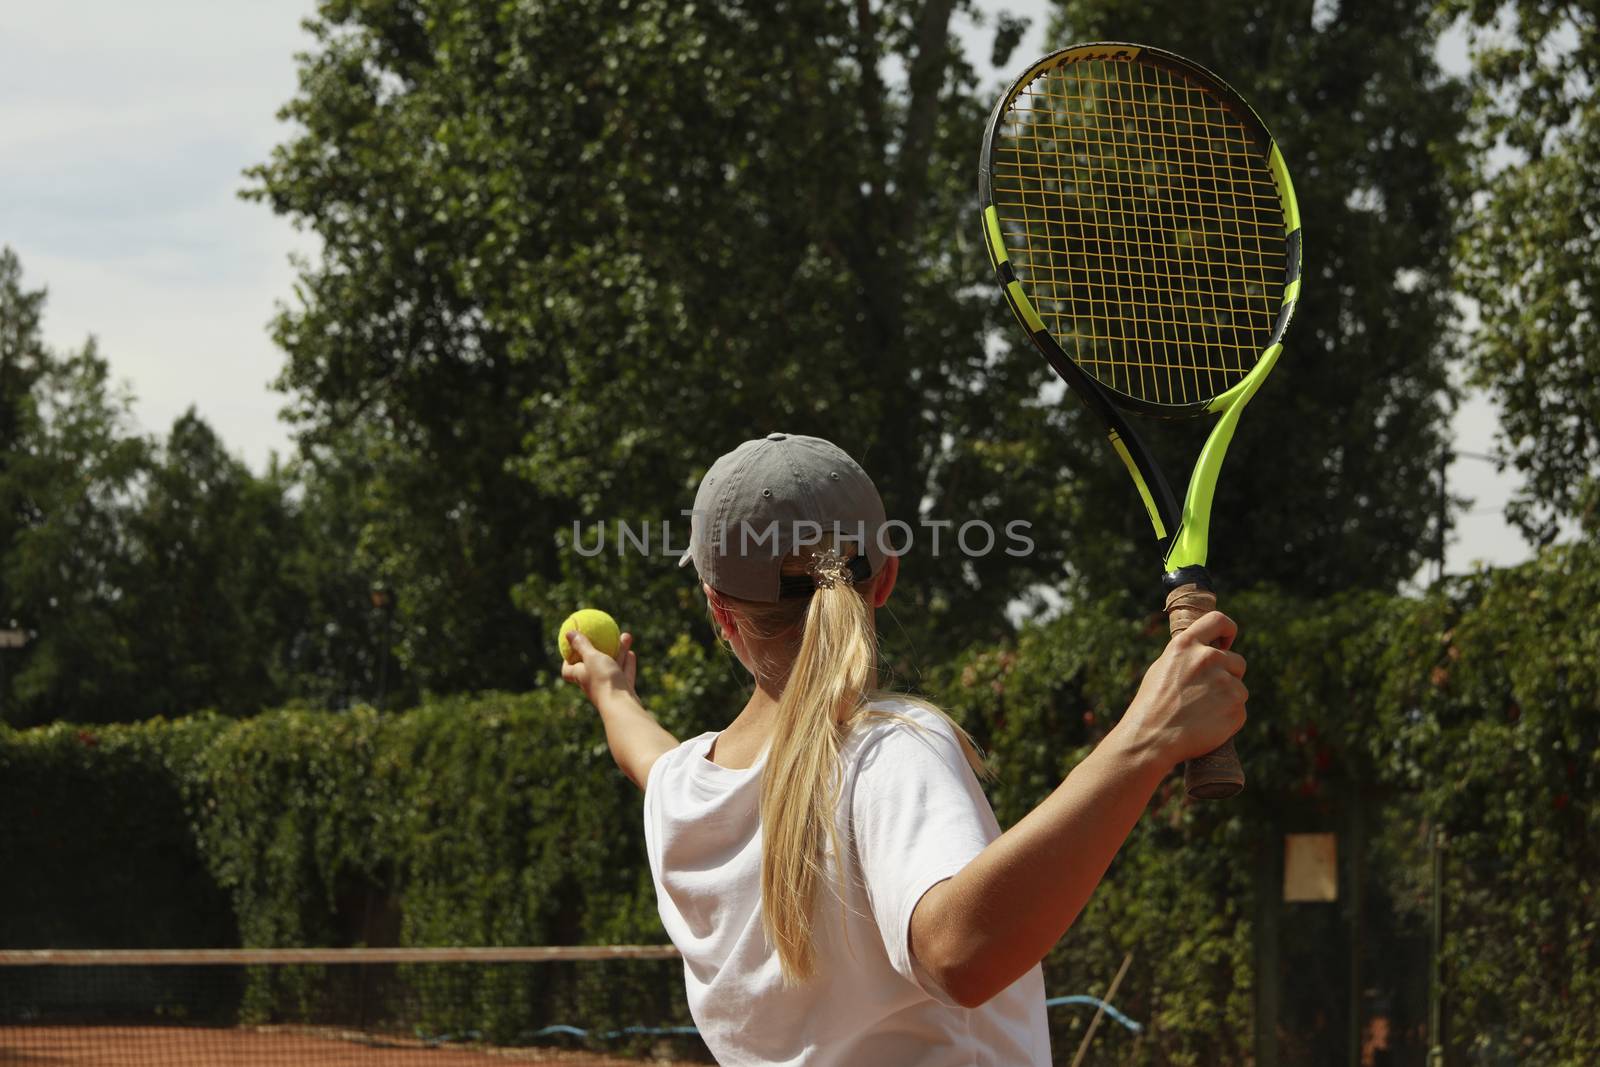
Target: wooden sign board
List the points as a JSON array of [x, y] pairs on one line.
[[1310, 868]]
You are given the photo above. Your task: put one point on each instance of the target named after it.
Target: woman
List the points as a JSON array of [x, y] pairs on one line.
[[827, 864]]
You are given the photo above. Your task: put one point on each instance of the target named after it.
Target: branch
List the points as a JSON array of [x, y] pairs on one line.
[[926, 79], [871, 82], [857, 243]]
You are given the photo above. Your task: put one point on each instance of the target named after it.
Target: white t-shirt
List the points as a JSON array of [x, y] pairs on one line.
[[911, 814]]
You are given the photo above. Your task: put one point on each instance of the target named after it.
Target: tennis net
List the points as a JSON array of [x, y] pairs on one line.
[[593, 1005]]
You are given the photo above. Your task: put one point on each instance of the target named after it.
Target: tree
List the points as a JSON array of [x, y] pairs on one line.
[[348, 649], [23, 356], [206, 606], [67, 482], [149, 574], [23, 359], [573, 252], [1324, 484], [1530, 252]]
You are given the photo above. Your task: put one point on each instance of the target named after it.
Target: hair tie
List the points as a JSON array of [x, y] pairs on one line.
[[827, 568], [823, 572]]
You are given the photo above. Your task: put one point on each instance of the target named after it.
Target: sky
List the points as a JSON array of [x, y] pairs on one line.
[[124, 133], [124, 129]]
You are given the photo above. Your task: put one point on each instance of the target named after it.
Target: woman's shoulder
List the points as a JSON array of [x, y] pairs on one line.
[[687, 751], [893, 720], [903, 706], [902, 743]]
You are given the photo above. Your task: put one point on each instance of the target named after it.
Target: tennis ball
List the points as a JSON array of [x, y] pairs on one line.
[[600, 628]]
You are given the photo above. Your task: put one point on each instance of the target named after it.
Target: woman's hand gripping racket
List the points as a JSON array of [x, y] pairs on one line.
[[1145, 232]]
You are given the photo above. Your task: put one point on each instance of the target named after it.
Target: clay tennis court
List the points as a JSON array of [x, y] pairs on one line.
[[144, 1008], [147, 1046]]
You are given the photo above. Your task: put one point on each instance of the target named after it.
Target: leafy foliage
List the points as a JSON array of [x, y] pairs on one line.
[[99, 839], [1321, 488], [1530, 251], [69, 467], [1498, 719], [489, 822], [1038, 709], [501, 820], [1472, 711], [206, 613], [573, 252], [555, 284], [159, 576], [148, 575]]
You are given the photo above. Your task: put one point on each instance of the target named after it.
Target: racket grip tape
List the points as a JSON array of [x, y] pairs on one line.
[[1218, 774]]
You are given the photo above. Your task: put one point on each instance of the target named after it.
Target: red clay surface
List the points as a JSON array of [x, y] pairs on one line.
[[110, 1046]]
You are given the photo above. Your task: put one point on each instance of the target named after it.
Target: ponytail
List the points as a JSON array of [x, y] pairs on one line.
[[832, 671]]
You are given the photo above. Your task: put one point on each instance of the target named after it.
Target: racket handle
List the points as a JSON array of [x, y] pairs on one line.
[[1216, 775]]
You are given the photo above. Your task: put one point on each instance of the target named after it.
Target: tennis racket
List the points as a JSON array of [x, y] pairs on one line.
[[1145, 233]]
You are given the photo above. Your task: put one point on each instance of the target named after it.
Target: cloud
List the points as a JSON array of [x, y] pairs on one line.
[[124, 131]]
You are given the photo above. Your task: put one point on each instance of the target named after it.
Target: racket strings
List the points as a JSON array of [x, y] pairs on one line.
[[1141, 217]]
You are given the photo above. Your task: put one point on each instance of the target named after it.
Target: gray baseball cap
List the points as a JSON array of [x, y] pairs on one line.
[[771, 497]]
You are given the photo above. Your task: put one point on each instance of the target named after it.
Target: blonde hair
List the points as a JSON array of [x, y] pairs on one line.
[[826, 663]]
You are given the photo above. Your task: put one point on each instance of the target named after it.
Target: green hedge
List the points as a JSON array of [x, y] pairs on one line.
[[1474, 710], [494, 821], [501, 819], [97, 840]]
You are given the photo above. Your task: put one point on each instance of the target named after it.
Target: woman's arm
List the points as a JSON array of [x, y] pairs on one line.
[[633, 734], [979, 931]]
